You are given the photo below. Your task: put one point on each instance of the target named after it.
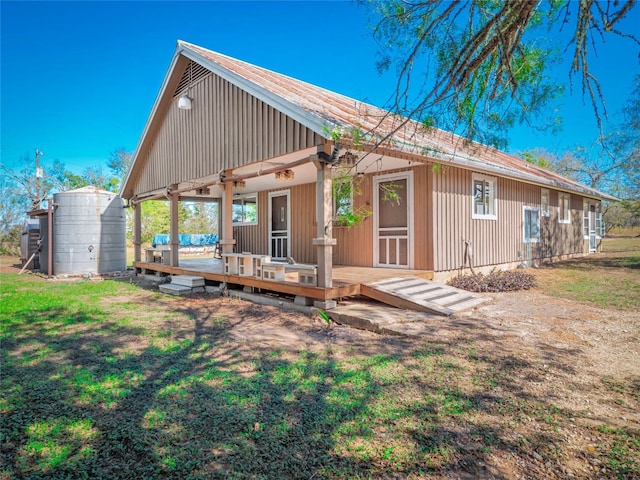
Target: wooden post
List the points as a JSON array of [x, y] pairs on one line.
[[227, 240], [137, 231], [174, 227], [324, 240]]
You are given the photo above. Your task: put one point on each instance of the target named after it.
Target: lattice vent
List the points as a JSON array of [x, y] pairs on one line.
[[192, 74]]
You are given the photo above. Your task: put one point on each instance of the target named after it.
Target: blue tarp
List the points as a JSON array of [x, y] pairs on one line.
[[187, 239]]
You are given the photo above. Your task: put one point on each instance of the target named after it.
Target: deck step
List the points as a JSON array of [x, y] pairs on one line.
[[188, 280], [416, 293], [174, 289]]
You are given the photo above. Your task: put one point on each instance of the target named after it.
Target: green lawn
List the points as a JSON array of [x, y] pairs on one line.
[[108, 380], [610, 279]]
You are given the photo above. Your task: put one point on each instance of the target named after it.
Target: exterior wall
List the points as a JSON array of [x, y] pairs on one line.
[[442, 222], [226, 128], [355, 244], [499, 242], [255, 238]]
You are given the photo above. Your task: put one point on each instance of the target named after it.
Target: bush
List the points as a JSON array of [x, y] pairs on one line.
[[496, 281]]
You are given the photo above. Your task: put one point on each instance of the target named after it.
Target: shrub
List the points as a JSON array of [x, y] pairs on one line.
[[496, 281]]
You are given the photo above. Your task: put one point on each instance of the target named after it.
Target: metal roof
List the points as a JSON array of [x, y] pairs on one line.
[[324, 112]]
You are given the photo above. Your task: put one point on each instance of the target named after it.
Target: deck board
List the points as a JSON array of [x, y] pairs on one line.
[[347, 280]]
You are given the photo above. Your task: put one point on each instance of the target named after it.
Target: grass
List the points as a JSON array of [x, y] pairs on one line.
[[106, 380], [610, 279]]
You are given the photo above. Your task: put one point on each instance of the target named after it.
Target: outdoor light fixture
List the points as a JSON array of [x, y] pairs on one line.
[[285, 175], [184, 102]]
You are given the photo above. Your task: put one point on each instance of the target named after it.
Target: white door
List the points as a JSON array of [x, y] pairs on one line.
[[279, 220], [593, 241], [393, 219]]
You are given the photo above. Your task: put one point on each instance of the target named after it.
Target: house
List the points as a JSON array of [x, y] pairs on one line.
[[266, 146]]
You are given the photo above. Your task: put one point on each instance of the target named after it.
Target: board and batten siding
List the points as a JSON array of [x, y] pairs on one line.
[[559, 240], [255, 238], [499, 241], [355, 244], [225, 129]]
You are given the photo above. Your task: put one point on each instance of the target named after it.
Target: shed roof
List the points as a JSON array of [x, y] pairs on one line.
[[324, 112]]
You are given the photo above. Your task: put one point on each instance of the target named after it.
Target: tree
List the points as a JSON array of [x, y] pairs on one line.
[[611, 164], [24, 190], [623, 144], [12, 209], [119, 162], [478, 67], [202, 217], [156, 219], [91, 176], [29, 186]]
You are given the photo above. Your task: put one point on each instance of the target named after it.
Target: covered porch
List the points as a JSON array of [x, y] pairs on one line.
[[267, 152]]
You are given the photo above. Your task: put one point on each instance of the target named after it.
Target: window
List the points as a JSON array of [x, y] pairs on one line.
[[484, 197], [245, 210], [563, 208], [544, 202], [531, 225], [600, 230]]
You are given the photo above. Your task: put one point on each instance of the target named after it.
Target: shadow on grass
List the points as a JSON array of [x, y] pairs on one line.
[[88, 397], [81, 404]]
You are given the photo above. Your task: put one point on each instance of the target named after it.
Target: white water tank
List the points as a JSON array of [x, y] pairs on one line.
[[89, 232]]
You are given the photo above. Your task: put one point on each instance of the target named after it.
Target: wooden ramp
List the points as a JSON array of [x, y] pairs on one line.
[[416, 293]]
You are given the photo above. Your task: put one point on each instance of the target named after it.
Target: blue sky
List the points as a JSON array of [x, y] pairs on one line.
[[78, 79]]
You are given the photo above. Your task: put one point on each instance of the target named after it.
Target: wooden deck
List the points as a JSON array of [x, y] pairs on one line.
[[347, 281]]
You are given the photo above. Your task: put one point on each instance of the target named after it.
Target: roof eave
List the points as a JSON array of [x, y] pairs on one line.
[[506, 172]]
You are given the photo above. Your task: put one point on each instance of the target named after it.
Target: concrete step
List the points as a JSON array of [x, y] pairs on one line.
[[174, 289], [187, 280], [385, 320]]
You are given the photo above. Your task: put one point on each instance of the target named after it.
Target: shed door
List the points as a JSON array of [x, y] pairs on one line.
[[393, 242], [279, 225]]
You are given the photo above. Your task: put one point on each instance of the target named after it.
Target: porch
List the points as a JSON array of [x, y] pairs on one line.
[[347, 281]]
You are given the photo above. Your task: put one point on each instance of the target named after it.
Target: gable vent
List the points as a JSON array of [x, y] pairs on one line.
[[192, 74]]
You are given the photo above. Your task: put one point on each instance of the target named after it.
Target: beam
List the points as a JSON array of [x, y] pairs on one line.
[[224, 177]]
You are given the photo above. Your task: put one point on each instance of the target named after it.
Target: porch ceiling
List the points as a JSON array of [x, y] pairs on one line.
[[255, 181]]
